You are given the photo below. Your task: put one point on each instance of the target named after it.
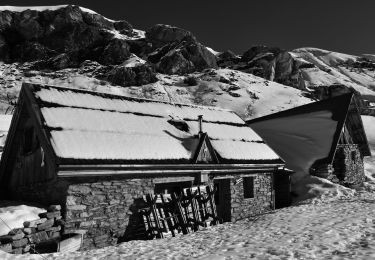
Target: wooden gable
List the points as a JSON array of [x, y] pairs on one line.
[[28, 156], [205, 152]]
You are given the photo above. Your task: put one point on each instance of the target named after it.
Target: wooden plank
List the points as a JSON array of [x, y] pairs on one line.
[[173, 179]]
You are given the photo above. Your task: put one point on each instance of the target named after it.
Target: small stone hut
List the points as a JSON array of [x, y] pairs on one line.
[[96, 154], [324, 138]]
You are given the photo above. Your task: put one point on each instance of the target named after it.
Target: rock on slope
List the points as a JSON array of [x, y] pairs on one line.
[[311, 69], [332, 68]]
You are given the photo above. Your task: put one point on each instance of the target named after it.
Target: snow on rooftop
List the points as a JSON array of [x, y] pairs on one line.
[[87, 125], [237, 150], [5, 122], [147, 107]]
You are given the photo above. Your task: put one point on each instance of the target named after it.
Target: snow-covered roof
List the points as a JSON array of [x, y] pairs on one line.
[[5, 122], [4, 127], [309, 134], [91, 127]]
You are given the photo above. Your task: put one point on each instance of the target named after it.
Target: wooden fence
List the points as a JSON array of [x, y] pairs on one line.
[[175, 214]]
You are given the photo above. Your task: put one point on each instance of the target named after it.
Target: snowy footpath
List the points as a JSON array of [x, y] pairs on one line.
[[338, 227]]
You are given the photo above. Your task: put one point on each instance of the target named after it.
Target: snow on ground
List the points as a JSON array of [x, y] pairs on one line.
[[216, 53], [248, 95], [335, 226], [133, 61], [369, 124], [334, 68], [15, 213]]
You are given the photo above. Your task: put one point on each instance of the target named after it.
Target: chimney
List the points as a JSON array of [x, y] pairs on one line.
[[200, 118]]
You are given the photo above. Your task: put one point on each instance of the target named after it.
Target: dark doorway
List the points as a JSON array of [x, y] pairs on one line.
[[282, 187], [223, 199]]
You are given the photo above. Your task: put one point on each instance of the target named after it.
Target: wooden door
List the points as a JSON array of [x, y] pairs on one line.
[[282, 187], [223, 199]]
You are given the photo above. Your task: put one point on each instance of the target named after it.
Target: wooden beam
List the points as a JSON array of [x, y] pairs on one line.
[[153, 173]]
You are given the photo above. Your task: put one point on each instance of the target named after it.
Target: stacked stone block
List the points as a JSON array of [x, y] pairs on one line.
[[107, 211], [348, 165], [24, 240], [247, 207]]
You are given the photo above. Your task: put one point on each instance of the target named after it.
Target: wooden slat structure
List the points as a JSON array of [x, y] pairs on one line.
[[176, 214]]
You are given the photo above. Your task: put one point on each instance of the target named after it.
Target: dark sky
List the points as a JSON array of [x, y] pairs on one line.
[[338, 25]]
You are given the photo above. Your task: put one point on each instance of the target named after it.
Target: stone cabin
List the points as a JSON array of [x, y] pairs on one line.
[[96, 154], [324, 138]]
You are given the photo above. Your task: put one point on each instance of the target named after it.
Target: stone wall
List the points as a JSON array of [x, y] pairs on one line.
[[348, 165], [35, 235], [247, 207], [106, 210]]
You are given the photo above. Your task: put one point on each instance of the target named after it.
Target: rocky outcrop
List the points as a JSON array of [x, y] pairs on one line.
[[270, 63], [181, 57], [228, 58], [39, 35], [123, 75], [116, 52], [162, 34]]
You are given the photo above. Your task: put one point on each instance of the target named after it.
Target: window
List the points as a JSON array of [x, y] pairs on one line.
[[248, 187]]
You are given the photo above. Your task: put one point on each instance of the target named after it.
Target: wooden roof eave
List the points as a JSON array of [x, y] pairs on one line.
[[162, 170]]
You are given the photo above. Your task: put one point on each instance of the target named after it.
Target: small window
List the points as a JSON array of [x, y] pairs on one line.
[[248, 187]]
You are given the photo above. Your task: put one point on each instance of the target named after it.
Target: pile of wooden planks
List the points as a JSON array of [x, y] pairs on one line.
[[175, 214]]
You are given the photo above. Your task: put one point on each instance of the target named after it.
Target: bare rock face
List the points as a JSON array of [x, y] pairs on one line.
[[162, 34], [227, 58], [123, 27], [267, 62], [35, 35], [30, 51], [185, 56], [132, 76], [116, 52], [175, 63]]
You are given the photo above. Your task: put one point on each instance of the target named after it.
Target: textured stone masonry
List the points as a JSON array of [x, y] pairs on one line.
[[348, 166], [106, 210], [247, 207], [24, 240]]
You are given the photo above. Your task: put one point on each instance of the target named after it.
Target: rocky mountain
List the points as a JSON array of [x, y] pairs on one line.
[[77, 47]]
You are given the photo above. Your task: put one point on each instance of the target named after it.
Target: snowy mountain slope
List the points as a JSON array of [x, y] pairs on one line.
[[331, 68], [248, 95]]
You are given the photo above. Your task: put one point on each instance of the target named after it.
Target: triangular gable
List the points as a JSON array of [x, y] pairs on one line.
[[26, 103], [307, 134], [205, 152]]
